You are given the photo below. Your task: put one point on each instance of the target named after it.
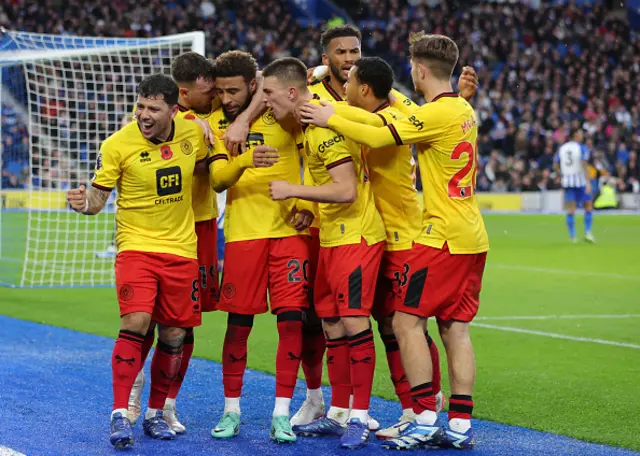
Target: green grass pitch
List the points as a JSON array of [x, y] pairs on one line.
[[576, 376]]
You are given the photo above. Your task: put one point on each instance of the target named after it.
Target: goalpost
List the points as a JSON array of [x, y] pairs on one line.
[[60, 97]]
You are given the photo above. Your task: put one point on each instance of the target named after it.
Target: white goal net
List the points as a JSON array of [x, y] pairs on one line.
[[60, 96]]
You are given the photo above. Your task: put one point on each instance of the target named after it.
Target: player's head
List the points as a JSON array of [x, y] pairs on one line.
[[340, 48], [433, 58], [194, 75], [235, 81], [577, 135], [369, 78], [285, 85], [157, 105]]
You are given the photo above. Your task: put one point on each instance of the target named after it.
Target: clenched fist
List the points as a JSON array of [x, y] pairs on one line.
[[77, 198]]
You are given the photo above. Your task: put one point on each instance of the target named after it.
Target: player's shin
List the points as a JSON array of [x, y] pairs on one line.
[[435, 363], [125, 365], [164, 370], [398, 377], [362, 363], [338, 368], [234, 359], [187, 351], [416, 360], [313, 347], [287, 358]]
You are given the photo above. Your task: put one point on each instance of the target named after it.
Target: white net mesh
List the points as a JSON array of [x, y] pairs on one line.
[[62, 96]]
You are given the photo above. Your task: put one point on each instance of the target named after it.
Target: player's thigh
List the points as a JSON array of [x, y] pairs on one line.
[[244, 277], [586, 199], [207, 232], [468, 304], [353, 273], [289, 272], [323, 299], [136, 282], [570, 198], [390, 276], [177, 303], [433, 281]]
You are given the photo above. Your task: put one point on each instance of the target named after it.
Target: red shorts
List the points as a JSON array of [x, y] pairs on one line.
[[160, 284], [438, 283], [392, 273], [280, 266], [346, 279], [207, 232]]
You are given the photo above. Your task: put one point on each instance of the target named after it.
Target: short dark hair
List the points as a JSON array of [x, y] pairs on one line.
[[287, 69], [440, 53], [158, 85], [190, 66], [236, 63], [339, 32], [376, 73]]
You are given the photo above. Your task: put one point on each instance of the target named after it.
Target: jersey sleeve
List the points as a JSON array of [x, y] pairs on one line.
[[403, 103], [108, 167], [359, 115], [424, 125], [331, 147], [223, 172]]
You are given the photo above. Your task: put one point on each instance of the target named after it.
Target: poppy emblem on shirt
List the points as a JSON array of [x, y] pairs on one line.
[[189, 117], [166, 152]]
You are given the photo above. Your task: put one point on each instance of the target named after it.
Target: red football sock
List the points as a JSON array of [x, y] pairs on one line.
[[362, 362], [289, 350], [435, 364], [398, 377], [313, 346], [423, 398], [146, 345], [125, 365], [460, 406], [164, 370], [234, 353], [187, 350], [339, 371]]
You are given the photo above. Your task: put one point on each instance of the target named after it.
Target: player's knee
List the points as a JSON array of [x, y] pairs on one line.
[[385, 326], [355, 325], [289, 315], [138, 322], [171, 336], [403, 323], [333, 328], [240, 320], [453, 332], [169, 347]]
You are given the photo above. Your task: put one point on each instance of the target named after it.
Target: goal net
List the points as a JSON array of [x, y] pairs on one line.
[[60, 97]]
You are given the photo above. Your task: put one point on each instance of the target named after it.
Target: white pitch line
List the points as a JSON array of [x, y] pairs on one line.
[[556, 317], [557, 336], [563, 271], [4, 451]]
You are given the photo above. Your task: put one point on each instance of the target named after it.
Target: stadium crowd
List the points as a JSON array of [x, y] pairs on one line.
[[539, 77]]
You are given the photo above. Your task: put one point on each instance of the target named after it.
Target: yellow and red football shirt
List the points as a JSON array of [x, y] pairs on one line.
[[205, 204], [342, 223], [445, 131], [322, 88], [154, 184], [250, 212]]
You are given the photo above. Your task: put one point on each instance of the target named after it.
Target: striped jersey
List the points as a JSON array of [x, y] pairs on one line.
[[570, 156]]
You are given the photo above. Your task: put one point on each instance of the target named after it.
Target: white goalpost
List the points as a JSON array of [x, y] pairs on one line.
[[60, 97]]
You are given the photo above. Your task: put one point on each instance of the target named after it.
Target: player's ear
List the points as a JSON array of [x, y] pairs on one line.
[[184, 92], [325, 59], [253, 85], [174, 111]]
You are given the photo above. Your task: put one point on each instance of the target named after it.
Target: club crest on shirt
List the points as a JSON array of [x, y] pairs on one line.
[[268, 118], [186, 147]]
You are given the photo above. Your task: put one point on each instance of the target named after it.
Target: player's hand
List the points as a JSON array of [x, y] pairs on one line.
[[206, 129], [315, 73], [201, 168], [316, 115], [468, 83], [301, 220], [279, 190], [265, 156], [235, 139], [77, 198]]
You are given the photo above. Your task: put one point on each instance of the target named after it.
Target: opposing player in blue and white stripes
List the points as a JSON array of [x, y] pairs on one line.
[[572, 158]]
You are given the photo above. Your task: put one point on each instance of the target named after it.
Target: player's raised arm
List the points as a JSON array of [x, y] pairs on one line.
[[224, 171]]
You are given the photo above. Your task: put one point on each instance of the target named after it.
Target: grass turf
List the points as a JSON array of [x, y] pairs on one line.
[[584, 390]]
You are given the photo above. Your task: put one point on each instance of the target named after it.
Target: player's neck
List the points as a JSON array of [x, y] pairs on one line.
[[337, 86], [435, 88], [303, 98], [165, 135], [373, 104]]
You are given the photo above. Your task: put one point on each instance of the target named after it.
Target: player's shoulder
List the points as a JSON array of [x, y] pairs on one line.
[[402, 98], [185, 125], [391, 114], [126, 137], [315, 83]]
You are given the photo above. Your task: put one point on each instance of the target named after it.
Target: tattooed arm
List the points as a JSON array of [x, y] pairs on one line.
[[87, 202]]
